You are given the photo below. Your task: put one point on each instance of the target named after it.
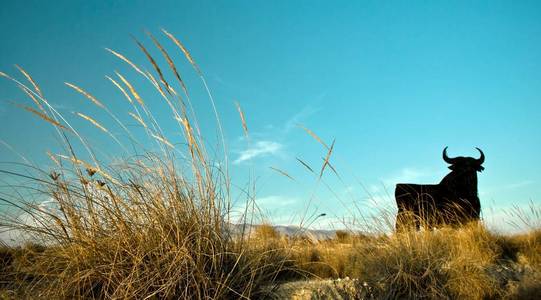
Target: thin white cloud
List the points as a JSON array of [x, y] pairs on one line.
[[517, 185], [276, 201], [299, 117], [36, 219], [410, 175], [260, 148], [276, 209], [494, 190], [270, 140]]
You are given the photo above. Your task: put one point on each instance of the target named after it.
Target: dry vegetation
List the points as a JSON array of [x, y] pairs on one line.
[[158, 225], [466, 263]]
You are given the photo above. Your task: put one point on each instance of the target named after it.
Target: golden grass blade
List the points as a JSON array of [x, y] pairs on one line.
[[138, 98], [53, 158], [160, 90], [94, 122], [169, 61], [132, 90], [88, 166], [192, 142], [44, 117], [30, 79], [102, 128], [242, 118], [153, 62], [100, 105], [126, 95], [36, 101], [170, 88], [196, 154], [184, 50], [326, 160], [54, 114], [282, 172], [138, 119], [163, 140], [312, 134], [158, 87], [172, 91], [332, 168], [305, 165], [126, 60], [86, 94]]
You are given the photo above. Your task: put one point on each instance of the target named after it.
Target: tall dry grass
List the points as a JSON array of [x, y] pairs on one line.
[[152, 226]]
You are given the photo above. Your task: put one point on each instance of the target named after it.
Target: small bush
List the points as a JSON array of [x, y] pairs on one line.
[[266, 232], [343, 236]]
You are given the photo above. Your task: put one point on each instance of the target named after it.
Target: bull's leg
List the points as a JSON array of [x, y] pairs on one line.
[[405, 220], [476, 209], [399, 226], [467, 211]]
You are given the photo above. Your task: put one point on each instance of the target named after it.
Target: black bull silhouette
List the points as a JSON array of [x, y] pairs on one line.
[[454, 201]]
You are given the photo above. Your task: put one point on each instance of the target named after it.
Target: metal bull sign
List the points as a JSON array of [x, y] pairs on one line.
[[453, 201]]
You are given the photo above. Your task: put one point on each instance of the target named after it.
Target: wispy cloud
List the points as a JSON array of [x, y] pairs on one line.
[[271, 140], [410, 175], [519, 184], [492, 190], [260, 148], [299, 117], [276, 201], [281, 209], [36, 219], [278, 209]]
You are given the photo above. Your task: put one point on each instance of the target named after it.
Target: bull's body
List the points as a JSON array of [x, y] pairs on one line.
[[453, 201]]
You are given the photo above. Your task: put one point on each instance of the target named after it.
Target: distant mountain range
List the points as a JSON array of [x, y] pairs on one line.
[[291, 231]]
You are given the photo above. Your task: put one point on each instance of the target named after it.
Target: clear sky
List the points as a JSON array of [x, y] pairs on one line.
[[393, 82]]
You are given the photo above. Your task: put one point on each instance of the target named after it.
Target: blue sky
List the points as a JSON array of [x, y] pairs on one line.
[[393, 83]]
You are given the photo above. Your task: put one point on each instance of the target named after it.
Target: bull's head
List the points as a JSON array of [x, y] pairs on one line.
[[464, 163]]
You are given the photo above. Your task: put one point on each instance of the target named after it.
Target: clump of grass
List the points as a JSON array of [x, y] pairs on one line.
[[467, 262], [328, 258], [266, 232], [448, 263], [322, 260], [152, 226], [152, 235], [524, 252]]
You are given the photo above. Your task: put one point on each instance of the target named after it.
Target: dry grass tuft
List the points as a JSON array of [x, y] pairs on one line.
[[152, 226]]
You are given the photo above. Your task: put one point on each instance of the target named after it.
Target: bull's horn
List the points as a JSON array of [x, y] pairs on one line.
[[481, 159], [446, 158]]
